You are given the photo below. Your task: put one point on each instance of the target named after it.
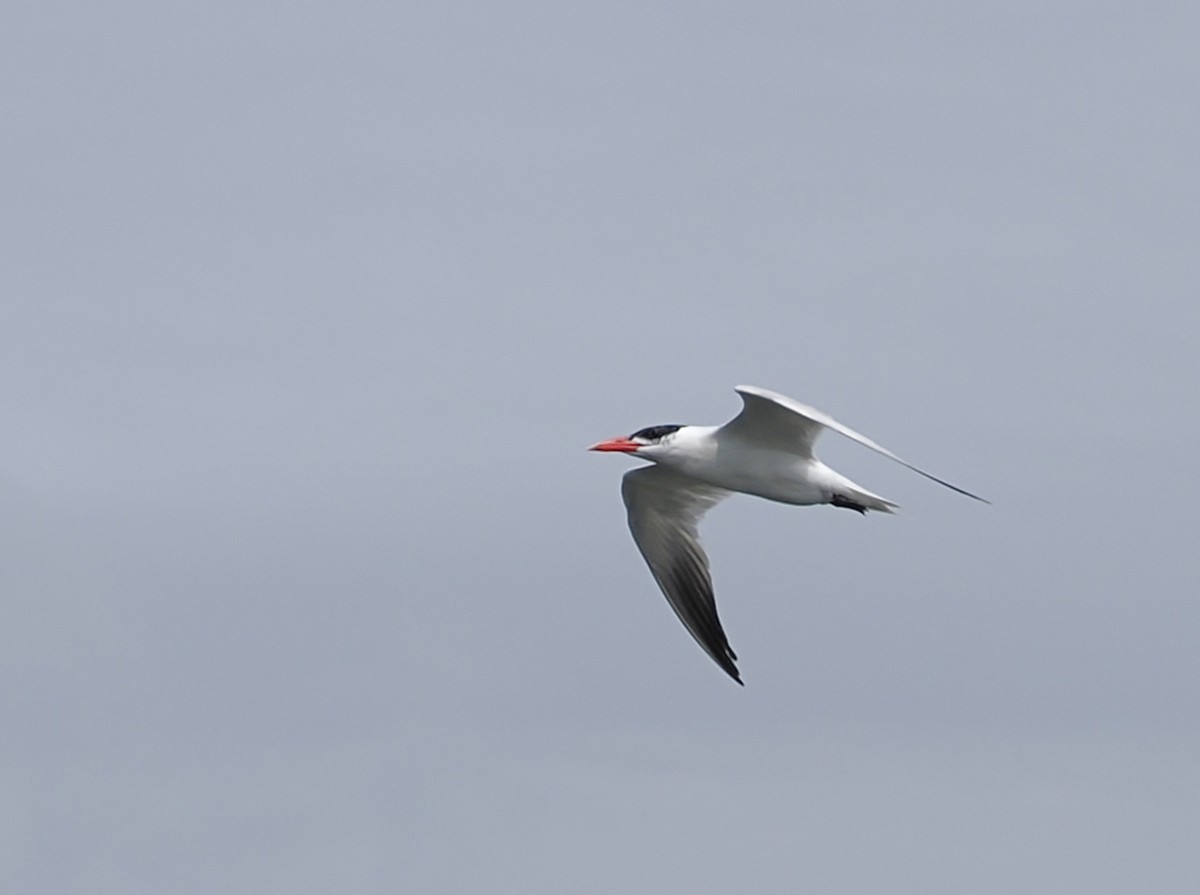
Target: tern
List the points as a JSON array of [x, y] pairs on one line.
[[767, 451]]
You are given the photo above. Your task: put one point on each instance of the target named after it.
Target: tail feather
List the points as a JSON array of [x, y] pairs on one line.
[[877, 503], [857, 499], [848, 494]]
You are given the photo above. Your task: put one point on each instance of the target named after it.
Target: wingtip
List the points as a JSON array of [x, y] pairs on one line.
[[964, 491], [950, 485], [725, 663]]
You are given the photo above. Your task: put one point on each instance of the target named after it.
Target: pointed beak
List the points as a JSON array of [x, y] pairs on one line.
[[621, 443]]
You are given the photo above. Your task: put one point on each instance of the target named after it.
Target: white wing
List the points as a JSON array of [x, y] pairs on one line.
[[664, 509], [774, 420]]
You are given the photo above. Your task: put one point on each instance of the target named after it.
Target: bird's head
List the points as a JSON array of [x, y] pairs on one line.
[[651, 443]]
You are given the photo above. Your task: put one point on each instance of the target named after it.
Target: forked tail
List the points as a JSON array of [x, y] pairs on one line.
[[860, 501]]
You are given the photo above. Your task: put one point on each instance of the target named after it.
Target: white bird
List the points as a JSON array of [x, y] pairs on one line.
[[766, 450]]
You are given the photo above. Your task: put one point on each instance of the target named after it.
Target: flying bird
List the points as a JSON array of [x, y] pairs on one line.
[[766, 450]]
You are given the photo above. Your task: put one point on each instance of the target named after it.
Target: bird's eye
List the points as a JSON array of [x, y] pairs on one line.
[[655, 433]]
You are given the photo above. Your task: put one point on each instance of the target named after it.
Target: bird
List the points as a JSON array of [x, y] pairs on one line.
[[765, 451]]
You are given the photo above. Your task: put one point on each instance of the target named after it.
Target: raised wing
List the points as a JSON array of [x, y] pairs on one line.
[[775, 420], [664, 510]]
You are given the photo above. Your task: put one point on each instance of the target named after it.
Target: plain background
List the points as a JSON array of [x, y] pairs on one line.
[[309, 311]]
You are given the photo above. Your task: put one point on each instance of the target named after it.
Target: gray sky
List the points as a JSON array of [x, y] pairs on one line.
[[310, 310]]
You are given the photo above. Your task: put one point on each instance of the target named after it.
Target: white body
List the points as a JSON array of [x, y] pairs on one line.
[[730, 461]]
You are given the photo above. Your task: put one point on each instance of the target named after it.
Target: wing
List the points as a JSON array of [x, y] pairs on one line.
[[773, 419], [664, 509]]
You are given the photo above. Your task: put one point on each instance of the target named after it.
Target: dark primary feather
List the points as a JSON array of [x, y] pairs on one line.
[[664, 511]]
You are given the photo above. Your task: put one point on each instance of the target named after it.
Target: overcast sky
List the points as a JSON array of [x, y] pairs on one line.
[[308, 312]]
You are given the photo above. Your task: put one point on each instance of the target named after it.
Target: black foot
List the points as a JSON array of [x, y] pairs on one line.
[[839, 500]]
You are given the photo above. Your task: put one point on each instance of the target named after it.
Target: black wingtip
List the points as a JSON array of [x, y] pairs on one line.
[[952, 487], [975, 496], [966, 493], [726, 662]]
